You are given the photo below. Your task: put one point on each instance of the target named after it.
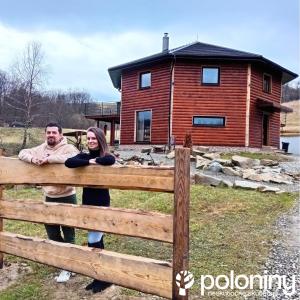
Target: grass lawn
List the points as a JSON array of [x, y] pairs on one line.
[[230, 230], [257, 155], [11, 138]]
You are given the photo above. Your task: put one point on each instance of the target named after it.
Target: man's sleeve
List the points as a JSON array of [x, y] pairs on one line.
[[28, 154], [69, 151]]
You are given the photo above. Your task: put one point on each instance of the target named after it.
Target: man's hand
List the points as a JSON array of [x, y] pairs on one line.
[[43, 161], [39, 162], [35, 161]]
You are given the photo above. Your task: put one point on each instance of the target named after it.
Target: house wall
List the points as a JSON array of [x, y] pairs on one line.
[[226, 100], [155, 98], [256, 113]]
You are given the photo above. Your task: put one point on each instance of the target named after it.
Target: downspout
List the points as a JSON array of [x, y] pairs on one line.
[[120, 125], [248, 101], [171, 93]]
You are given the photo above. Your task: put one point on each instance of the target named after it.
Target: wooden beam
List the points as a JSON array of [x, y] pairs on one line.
[[1, 220], [14, 171], [181, 218], [143, 274], [130, 222], [1, 224]]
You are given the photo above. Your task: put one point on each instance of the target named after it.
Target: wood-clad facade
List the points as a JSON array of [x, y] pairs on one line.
[[156, 99], [257, 115], [228, 100], [221, 96]]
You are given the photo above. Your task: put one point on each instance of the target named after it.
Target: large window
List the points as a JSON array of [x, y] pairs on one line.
[[143, 126], [209, 121], [145, 80], [210, 76], [267, 81]]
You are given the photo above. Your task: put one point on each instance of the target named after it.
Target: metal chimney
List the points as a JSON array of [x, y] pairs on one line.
[[165, 45]]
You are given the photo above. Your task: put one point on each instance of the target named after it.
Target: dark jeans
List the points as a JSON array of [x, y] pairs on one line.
[[53, 231]]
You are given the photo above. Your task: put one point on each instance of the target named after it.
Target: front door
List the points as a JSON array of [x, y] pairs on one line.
[[143, 126], [265, 133]]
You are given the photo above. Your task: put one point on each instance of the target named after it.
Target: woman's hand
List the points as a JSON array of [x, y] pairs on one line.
[[92, 161]]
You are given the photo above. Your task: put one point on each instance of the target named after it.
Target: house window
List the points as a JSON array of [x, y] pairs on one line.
[[267, 80], [210, 76], [143, 126], [145, 80], [209, 121]]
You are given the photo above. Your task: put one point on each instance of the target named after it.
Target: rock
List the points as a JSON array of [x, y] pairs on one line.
[[226, 183], [212, 156], [266, 188], [132, 163], [230, 171], [159, 149], [224, 162], [196, 152], [258, 167], [246, 185], [192, 158], [146, 150], [269, 162], [261, 177], [203, 149], [214, 167], [201, 162], [244, 162], [206, 180], [171, 155], [276, 169], [280, 179], [248, 172]]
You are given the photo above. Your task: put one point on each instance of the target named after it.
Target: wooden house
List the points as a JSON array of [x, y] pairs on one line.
[[220, 96]]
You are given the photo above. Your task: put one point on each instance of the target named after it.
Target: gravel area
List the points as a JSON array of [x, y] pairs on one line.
[[292, 166], [284, 257]]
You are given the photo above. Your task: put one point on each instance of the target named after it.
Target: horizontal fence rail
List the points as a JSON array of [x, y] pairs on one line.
[[139, 273], [130, 222], [145, 274], [121, 177]]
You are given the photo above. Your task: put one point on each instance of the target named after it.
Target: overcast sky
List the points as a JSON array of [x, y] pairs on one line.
[[83, 38]]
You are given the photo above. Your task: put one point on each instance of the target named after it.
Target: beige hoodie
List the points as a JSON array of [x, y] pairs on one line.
[[56, 155]]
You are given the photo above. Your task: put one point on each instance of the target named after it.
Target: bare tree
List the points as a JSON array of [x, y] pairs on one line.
[[29, 74], [4, 86]]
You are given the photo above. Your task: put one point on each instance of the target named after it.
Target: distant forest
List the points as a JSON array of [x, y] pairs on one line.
[[291, 92]]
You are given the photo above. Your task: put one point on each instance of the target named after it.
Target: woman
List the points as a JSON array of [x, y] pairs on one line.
[[98, 154]]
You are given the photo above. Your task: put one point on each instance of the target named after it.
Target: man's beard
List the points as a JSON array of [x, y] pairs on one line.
[[51, 142]]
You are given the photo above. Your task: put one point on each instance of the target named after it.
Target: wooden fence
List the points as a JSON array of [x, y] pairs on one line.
[[139, 273]]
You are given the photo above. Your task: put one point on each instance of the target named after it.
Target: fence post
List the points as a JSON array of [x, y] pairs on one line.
[[1, 220], [181, 220]]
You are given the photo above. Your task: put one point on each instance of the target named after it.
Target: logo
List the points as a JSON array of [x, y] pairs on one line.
[[184, 280]]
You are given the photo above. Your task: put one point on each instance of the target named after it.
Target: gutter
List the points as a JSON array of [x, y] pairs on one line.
[[171, 93]]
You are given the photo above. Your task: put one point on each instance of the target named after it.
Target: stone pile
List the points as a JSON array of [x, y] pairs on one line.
[[260, 171]]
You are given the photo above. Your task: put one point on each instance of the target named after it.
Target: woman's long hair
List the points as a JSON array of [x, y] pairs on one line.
[[100, 136]]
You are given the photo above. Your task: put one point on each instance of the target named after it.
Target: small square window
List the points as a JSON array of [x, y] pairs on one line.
[[267, 80], [145, 80], [210, 76]]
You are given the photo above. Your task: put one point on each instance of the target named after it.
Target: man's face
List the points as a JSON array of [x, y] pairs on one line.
[[53, 136]]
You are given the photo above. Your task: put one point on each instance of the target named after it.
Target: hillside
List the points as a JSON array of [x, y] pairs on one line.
[[292, 120]]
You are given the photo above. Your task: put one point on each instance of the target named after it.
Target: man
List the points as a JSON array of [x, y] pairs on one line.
[[55, 150]]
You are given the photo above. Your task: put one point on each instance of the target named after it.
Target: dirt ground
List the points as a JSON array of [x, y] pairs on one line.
[[73, 289], [11, 273]]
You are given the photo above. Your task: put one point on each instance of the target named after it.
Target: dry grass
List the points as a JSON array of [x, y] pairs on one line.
[[292, 119]]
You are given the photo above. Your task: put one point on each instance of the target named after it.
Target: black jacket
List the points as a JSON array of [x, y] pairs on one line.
[[97, 197]]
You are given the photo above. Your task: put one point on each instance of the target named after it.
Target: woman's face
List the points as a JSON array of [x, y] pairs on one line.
[[92, 141]]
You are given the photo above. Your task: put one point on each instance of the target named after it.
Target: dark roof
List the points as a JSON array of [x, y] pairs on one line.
[[201, 51]]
